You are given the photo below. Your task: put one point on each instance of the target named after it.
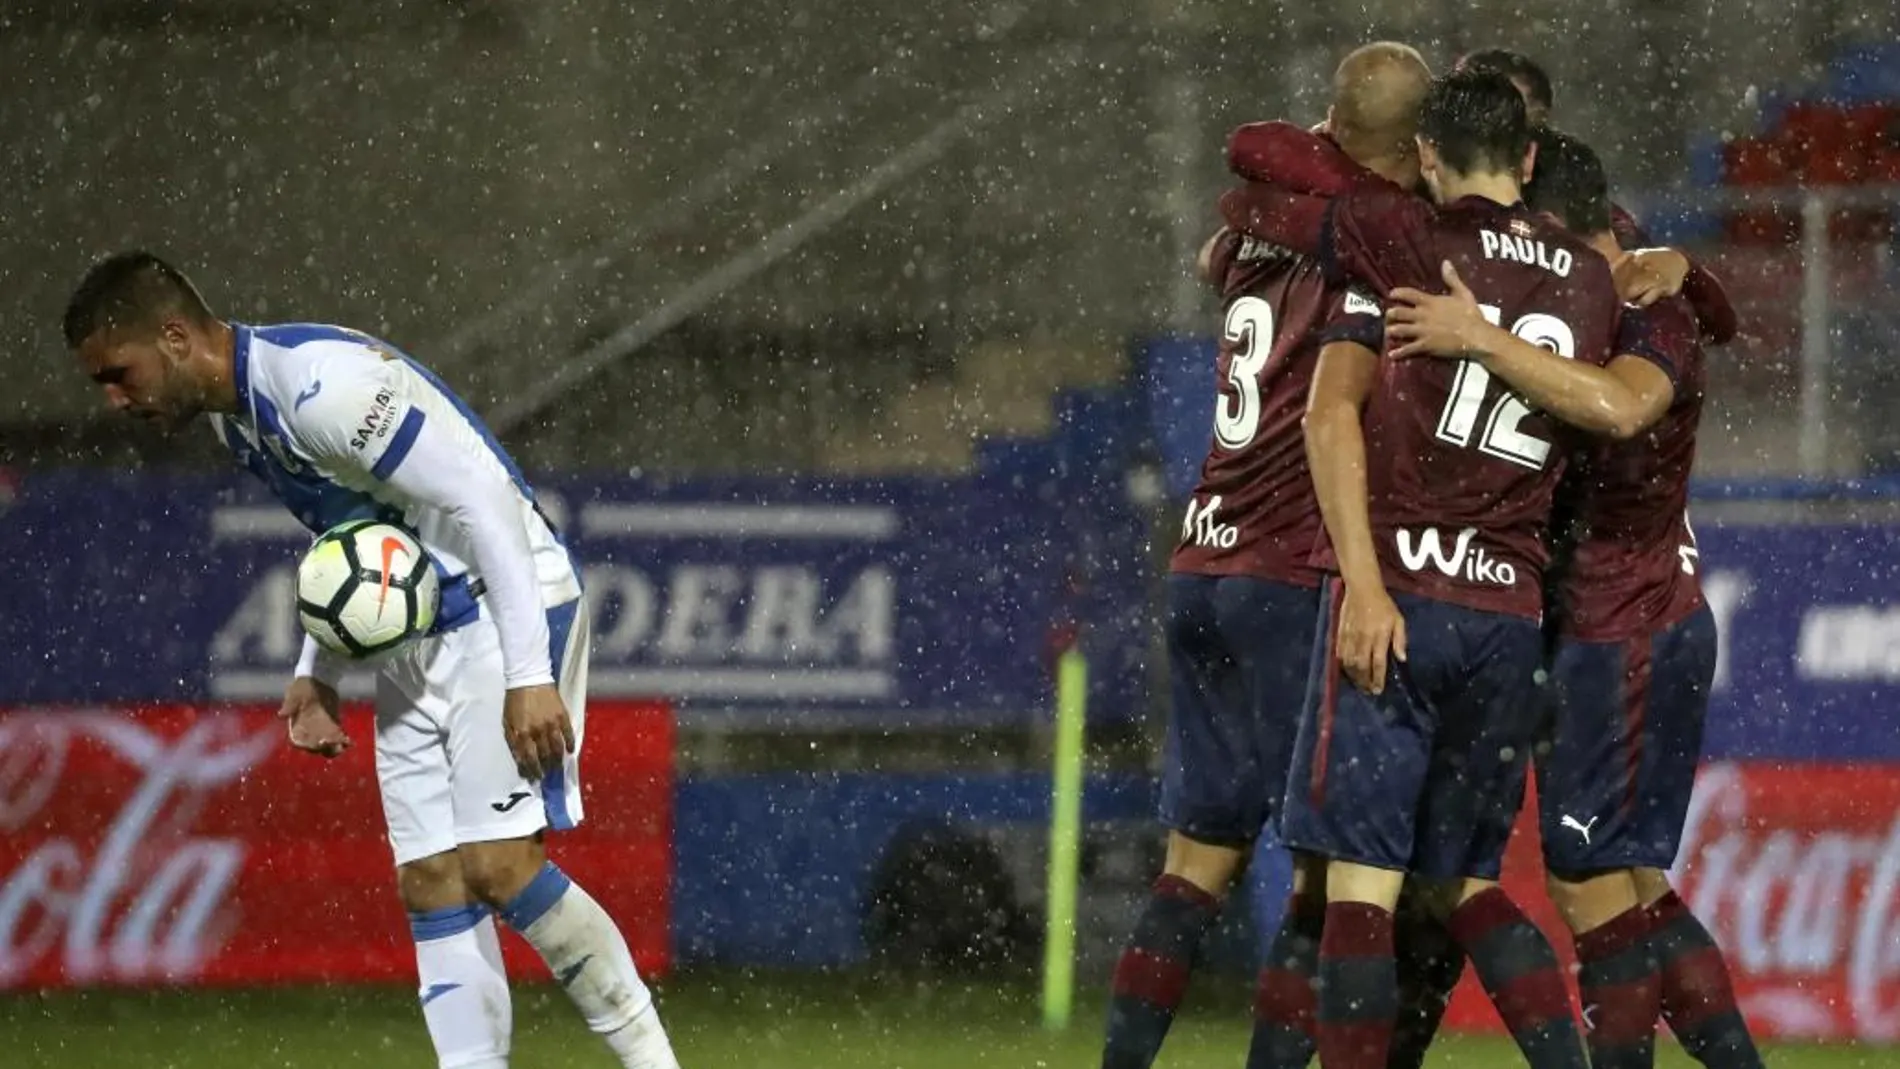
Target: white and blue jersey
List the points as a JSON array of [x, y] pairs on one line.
[[343, 426]]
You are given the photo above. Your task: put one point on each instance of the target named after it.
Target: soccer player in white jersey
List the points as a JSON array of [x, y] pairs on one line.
[[478, 724]]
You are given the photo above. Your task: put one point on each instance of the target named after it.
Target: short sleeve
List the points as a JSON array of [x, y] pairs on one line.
[[1663, 334], [1373, 233], [1356, 317], [359, 415]]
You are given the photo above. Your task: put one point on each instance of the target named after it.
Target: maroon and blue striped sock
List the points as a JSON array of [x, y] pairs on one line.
[[1287, 997], [1698, 998], [1521, 974], [1622, 991], [1358, 987], [1152, 975]]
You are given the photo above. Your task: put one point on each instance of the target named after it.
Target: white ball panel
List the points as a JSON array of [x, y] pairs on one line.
[[375, 615]]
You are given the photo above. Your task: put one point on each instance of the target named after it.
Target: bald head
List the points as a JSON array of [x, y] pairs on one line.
[[1376, 93]]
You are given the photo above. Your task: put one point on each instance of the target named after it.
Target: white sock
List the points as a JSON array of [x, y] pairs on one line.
[[590, 959], [464, 987]]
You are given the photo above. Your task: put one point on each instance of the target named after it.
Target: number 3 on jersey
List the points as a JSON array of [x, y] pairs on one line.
[[1249, 331], [1501, 437]]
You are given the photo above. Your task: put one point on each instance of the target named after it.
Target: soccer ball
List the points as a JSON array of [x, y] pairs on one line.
[[366, 587]]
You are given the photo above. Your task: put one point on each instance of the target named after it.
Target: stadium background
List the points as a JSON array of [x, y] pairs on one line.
[[856, 346]]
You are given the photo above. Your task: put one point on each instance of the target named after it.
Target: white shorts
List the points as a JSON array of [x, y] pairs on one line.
[[442, 761]]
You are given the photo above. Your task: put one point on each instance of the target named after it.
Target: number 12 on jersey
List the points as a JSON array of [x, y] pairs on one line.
[[1501, 438]]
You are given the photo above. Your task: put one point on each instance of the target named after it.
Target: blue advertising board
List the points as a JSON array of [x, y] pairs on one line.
[[907, 599], [1809, 624]]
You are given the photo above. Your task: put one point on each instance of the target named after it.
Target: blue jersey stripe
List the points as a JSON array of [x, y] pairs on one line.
[[399, 446]]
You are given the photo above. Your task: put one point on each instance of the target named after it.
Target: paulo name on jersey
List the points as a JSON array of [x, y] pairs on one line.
[[342, 426]]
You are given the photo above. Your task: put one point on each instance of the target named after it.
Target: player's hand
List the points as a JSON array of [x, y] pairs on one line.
[[1434, 324], [1646, 276], [538, 729], [310, 713], [1370, 629]]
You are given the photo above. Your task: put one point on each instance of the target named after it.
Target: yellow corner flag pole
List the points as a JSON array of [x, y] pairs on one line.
[[1065, 841]]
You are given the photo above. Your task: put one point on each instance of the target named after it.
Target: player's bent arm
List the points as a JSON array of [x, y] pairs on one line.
[[365, 421], [1714, 314], [1293, 220], [1621, 400], [1289, 157], [1336, 454]]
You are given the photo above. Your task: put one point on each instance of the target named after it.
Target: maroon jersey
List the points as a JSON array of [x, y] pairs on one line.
[[1633, 565], [1460, 470], [1253, 512]]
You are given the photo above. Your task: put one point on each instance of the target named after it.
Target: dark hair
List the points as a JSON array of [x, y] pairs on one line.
[[1475, 119], [129, 289], [1513, 65], [1568, 182]]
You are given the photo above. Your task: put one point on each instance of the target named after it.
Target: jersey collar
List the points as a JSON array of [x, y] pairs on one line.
[[1474, 201], [241, 366]]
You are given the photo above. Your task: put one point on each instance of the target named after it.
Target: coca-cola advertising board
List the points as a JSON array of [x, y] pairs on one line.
[[1795, 870], [182, 844]]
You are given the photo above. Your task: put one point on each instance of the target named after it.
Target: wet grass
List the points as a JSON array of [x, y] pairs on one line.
[[719, 1020]]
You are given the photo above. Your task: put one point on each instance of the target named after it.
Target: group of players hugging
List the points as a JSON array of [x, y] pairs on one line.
[[1440, 537]]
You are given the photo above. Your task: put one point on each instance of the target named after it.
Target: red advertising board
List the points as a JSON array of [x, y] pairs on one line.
[[169, 844], [1795, 870]]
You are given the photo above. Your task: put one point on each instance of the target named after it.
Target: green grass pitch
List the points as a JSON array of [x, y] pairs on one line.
[[719, 1020]]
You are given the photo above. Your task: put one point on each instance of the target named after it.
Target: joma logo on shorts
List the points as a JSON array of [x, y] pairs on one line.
[[1465, 561]]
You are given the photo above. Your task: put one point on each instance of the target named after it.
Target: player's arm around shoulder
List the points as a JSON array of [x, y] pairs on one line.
[[1539, 357], [1715, 315], [1290, 157]]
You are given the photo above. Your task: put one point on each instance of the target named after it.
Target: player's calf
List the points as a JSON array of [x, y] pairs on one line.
[[1286, 995], [579, 941], [1617, 969], [1151, 976], [1698, 996], [464, 987], [1520, 973], [1358, 977]]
